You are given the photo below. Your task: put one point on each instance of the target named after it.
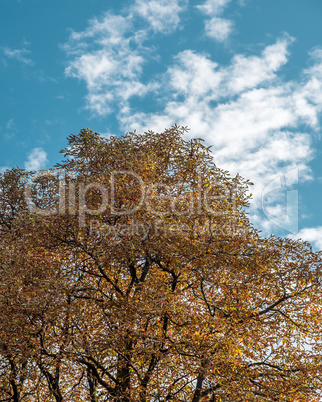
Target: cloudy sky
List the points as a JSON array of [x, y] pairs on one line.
[[245, 75]]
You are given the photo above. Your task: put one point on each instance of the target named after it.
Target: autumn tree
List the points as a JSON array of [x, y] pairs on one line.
[[130, 272]]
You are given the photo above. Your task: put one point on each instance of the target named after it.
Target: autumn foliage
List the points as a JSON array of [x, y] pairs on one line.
[[130, 272]]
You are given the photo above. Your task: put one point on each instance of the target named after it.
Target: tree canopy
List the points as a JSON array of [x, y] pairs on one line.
[[130, 272]]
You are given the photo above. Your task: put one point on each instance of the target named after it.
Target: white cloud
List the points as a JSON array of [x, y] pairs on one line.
[[196, 75], [192, 74], [10, 125], [248, 72], [311, 235], [257, 123], [36, 160], [250, 120], [20, 55], [9, 129], [213, 7], [109, 57], [108, 67], [3, 169], [216, 27], [162, 15]]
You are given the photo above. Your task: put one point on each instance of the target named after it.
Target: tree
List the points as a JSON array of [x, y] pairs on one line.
[[132, 273]]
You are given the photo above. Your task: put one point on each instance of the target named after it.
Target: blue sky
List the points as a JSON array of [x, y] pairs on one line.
[[245, 75]]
